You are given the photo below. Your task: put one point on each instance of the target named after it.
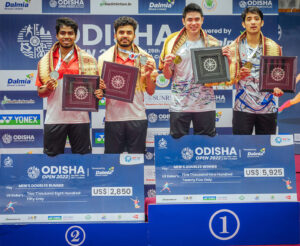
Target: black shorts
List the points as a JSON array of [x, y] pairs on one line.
[[125, 136], [243, 123], [204, 123], [55, 136]]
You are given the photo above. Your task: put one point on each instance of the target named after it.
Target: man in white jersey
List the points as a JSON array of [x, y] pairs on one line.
[[252, 108], [190, 101], [126, 123], [65, 57]]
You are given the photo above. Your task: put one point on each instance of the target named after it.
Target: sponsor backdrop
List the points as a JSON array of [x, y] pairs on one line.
[[28, 31]]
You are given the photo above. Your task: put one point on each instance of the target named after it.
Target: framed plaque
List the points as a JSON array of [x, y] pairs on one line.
[[209, 65], [120, 81], [278, 71], [78, 92]]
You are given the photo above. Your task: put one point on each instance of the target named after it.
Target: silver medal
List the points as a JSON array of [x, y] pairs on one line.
[[54, 75], [143, 60]]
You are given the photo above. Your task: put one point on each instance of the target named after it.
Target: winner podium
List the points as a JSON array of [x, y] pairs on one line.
[[267, 214]]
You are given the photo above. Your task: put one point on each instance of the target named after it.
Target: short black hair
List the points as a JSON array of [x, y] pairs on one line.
[[124, 21], [253, 10], [192, 7], [66, 21]]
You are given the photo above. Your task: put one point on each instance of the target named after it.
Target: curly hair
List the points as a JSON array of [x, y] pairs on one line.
[[124, 21]]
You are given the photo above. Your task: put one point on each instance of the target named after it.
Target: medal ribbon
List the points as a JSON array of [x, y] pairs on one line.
[[131, 55], [247, 47], [58, 65]]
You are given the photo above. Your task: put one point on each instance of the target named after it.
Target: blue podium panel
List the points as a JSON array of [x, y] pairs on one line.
[[129, 234], [71, 188], [224, 224], [201, 169]]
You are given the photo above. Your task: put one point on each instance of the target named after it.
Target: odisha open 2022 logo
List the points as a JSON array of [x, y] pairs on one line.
[[34, 41]]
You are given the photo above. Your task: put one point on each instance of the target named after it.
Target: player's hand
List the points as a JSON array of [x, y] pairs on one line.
[[51, 84], [169, 60], [149, 67], [244, 73], [102, 85], [277, 92], [99, 93], [226, 52]]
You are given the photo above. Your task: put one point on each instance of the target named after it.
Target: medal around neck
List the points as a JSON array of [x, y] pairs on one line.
[[177, 60], [248, 65], [143, 60], [54, 75], [132, 55]]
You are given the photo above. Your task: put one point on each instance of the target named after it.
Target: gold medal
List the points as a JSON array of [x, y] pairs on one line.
[[248, 65], [177, 60]]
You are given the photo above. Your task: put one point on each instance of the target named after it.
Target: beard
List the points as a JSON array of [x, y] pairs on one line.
[[67, 46], [124, 45]]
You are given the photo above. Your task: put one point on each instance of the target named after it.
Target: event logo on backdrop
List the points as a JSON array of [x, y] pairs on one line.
[[266, 6], [11, 138], [161, 6], [158, 118], [34, 41], [66, 6]]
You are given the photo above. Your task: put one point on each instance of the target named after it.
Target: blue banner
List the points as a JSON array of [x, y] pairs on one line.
[[225, 169], [37, 188], [161, 6], [223, 98], [98, 137], [29, 37], [266, 6], [288, 120], [11, 100], [158, 118], [63, 6], [21, 138]]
